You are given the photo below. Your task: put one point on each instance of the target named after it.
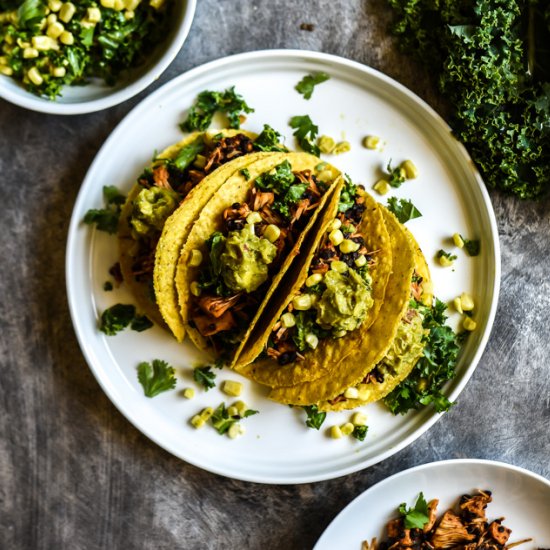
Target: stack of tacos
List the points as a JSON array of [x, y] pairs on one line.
[[279, 265]]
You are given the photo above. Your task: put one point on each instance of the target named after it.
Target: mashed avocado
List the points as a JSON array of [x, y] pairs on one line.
[[151, 208], [345, 302], [245, 259]]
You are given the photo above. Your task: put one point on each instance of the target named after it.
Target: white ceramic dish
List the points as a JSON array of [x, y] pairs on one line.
[[520, 496], [357, 100], [97, 96]]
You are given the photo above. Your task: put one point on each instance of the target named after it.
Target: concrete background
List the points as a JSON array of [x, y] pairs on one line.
[[74, 474]]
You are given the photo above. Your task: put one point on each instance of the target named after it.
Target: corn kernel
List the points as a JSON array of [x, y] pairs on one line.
[[371, 142], [326, 144], [340, 333], [342, 147], [93, 15], [445, 262], [3, 60], [254, 217], [34, 76], [67, 11], [55, 5], [335, 432], [236, 430], [241, 408], [469, 324], [458, 305], [157, 4], [5, 70], [458, 240], [119, 5], [467, 302], [311, 340], [131, 4], [361, 261], [206, 413], [347, 428], [347, 246], [59, 72], [232, 411], [197, 422], [359, 419], [409, 169], [302, 302], [195, 258], [230, 387], [195, 289], [381, 187], [189, 393], [109, 4], [336, 237], [288, 320], [67, 38], [334, 225], [272, 233], [314, 279], [351, 393], [44, 43], [55, 30], [339, 267], [30, 53], [51, 19]]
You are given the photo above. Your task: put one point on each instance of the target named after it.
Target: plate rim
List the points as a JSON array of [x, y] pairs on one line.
[[506, 466], [238, 59]]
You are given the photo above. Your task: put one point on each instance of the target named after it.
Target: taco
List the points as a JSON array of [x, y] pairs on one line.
[[192, 169], [242, 244], [365, 348], [337, 293]]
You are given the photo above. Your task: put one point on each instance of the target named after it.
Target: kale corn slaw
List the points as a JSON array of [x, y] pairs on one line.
[[49, 44]]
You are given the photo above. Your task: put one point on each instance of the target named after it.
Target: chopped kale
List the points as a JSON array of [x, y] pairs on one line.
[[156, 377], [403, 209], [106, 219], [306, 133], [315, 418], [360, 432], [306, 85], [116, 318], [205, 377], [141, 323], [347, 195], [417, 517], [473, 247], [208, 102], [395, 175], [269, 140]]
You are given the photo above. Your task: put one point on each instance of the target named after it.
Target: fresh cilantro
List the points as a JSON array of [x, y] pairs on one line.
[[360, 432], [106, 219], [186, 155], [436, 366], [473, 247], [228, 102], [347, 195], [269, 140], [417, 517], [222, 421], [306, 85], [306, 133], [315, 418], [245, 173], [403, 209], [305, 324], [30, 13], [107, 286], [396, 175], [156, 377], [116, 318], [442, 254], [205, 377], [141, 323]]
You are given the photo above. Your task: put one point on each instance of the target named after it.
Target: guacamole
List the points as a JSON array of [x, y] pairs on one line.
[[150, 210], [244, 260], [345, 301]]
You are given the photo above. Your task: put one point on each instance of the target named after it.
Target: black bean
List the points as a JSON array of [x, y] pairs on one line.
[[286, 357], [327, 253], [234, 225]]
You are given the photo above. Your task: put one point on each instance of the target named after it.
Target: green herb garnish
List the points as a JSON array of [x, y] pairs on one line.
[[228, 102], [306, 85], [140, 323], [222, 421], [269, 140], [106, 219], [360, 432], [473, 247], [315, 418], [347, 195], [306, 133], [403, 209], [156, 377], [396, 176], [107, 286], [417, 517], [116, 318], [205, 377], [245, 173], [442, 254]]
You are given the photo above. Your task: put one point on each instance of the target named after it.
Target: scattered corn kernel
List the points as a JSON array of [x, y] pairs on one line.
[[236, 430], [410, 169], [371, 142], [241, 407], [445, 262], [253, 217], [458, 240], [351, 393], [59, 72], [55, 5], [195, 288], [30, 53], [342, 147], [129, 14], [44, 43], [335, 432], [339, 267], [334, 224], [467, 302], [232, 411], [55, 30], [347, 428], [34, 76], [272, 233], [302, 302], [206, 413], [119, 5], [347, 246], [288, 320], [230, 387], [67, 38], [458, 305], [326, 144], [189, 393], [311, 340], [67, 11], [469, 324], [197, 422], [314, 279], [359, 419], [93, 15], [3, 60], [195, 259], [361, 261], [131, 4], [5, 70], [381, 187], [110, 4], [336, 237], [340, 333]]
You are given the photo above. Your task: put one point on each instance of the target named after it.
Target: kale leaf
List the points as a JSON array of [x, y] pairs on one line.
[[396, 176], [360, 432], [347, 195], [106, 219], [269, 140], [156, 377], [315, 418], [306, 133], [403, 209], [473, 247], [306, 85], [119, 316], [417, 517]]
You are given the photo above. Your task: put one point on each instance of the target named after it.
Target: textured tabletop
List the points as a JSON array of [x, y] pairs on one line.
[[75, 474]]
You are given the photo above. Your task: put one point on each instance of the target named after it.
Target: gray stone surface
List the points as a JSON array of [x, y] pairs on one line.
[[74, 474]]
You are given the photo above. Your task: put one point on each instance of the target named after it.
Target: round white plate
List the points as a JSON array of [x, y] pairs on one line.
[[356, 101], [520, 496]]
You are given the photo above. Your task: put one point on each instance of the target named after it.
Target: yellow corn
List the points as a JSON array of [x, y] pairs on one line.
[[67, 11], [467, 302], [351, 393], [55, 30], [59, 72], [253, 217], [458, 240], [34, 76], [272, 233], [409, 169], [288, 320], [230, 387], [359, 419], [55, 5], [469, 324], [361, 261], [342, 147], [335, 432], [110, 4], [195, 259], [189, 393], [93, 15], [326, 144], [334, 225], [371, 142], [67, 38], [336, 237], [195, 289], [314, 279], [5, 70], [235, 430], [347, 428], [347, 246], [339, 267], [381, 187]]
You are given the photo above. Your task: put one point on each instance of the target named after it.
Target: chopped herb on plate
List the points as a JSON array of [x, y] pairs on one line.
[[308, 83], [156, 377], [403, 209]]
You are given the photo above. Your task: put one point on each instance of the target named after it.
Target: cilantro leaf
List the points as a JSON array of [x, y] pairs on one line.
[[442, 254], [306, 85], [306, 133], [30, 13], [116, 318], [106, 219], [156, 377], [396, 175], [208, 102], [205, 377], [417, 517], [222, 421], [140, 323], [315, 418], [269, 140], [347, 195], [473, 247], [360, 432], [403, 209]]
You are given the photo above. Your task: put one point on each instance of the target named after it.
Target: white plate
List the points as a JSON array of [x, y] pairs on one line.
[[356, 101], [520, 496]]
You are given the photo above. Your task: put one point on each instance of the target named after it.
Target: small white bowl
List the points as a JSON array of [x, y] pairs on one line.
[[96, 95]]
